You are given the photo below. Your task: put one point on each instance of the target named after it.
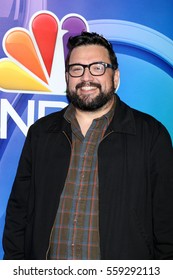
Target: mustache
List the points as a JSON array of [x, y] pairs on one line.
[[83, 84]]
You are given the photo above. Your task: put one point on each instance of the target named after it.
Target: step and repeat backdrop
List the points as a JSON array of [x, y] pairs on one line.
[[33, 36]]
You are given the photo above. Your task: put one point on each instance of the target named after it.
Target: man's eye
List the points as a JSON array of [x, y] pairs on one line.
[[76, 68], [97, 67]]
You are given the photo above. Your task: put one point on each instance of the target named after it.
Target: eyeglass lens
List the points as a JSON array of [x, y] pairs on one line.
[[95, 69]]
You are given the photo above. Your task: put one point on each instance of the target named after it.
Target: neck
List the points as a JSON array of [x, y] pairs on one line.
[[86, 118]]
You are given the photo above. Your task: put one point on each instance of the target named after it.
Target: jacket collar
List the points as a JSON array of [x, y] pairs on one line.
[[122, 121]]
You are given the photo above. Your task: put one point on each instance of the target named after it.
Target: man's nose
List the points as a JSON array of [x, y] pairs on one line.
[[87, 75]]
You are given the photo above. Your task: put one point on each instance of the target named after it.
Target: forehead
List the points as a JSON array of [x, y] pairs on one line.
[[88, 54]]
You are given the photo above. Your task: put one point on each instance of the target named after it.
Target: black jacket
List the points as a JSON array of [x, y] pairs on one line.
[[135, 161]]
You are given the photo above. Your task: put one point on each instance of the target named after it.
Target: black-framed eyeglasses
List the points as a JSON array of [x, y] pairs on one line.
[[96, 68]]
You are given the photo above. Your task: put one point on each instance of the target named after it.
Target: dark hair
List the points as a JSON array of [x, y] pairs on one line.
[[87, 38]]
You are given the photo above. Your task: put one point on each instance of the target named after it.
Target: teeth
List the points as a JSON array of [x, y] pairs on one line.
[[88, 88]]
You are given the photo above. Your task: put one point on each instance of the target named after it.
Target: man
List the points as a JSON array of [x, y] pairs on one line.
[[95, 180]]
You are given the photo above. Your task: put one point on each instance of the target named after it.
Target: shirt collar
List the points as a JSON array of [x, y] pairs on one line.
[[70, 113]]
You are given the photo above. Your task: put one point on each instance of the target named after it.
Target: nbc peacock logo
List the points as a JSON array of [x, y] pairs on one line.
[[35, 61]]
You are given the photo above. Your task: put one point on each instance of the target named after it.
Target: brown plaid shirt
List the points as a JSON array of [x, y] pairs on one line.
[[75, 234]]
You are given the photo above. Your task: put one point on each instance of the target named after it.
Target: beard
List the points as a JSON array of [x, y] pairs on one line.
[[89, 103]]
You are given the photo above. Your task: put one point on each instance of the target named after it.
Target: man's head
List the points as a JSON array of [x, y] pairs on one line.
[[87, 38], [91, 71]]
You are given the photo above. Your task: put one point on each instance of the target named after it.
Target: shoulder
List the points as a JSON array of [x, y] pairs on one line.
[[144, 124], [148, 122], [139, 117], [50, 122]]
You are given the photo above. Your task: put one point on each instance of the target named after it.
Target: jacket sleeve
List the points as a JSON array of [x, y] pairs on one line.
[[16, 212], [162, 182]]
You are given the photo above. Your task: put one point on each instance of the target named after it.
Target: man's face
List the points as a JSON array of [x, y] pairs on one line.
[[88, 92]]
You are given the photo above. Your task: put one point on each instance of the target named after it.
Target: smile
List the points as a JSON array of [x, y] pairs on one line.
[[88, 88]]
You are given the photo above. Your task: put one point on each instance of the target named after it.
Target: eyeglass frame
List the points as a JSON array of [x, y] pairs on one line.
[[106, 65]]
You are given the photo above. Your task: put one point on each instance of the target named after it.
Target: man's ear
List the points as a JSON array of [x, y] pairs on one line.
[[116, 78]]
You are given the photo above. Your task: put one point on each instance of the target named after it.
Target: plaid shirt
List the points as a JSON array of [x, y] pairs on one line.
[[75, 234]]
